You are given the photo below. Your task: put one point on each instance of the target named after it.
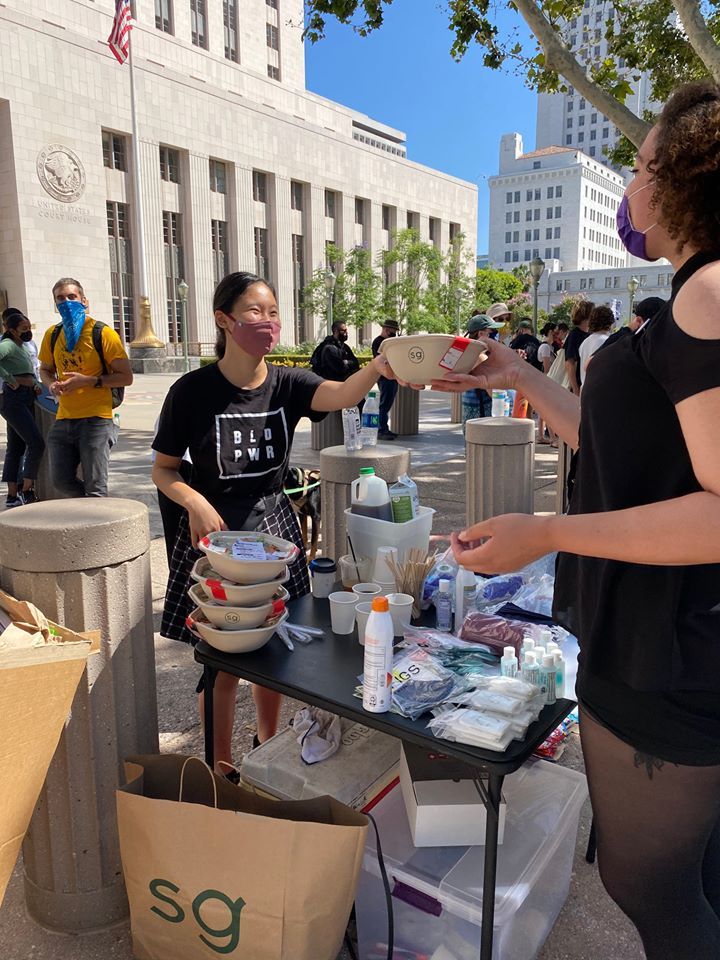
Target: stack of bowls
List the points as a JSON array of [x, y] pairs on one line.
[[240, 602]]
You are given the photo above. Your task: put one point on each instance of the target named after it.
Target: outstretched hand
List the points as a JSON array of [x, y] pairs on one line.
[[501, 370], [503, 544]]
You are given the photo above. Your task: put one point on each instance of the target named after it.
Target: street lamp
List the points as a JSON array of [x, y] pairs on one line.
[[537, 266], [182, 289], [632, 286], [330, 279]]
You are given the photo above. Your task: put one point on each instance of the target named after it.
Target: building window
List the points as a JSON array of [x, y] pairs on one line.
[[558, 212], [528, 236], [385, 217], [174, 272], [568, 140], [221, 260], [508, 198], [536, 164], [548, 233], [454, 231], [571, 104], [508, 236], [516, 256], [558, 192], [517, 196], [528, 194], [550, 192], [298, 262], [507, 256], [556, 253], [330, 204], [593, 134], [434, 228], [360, 211], [556, 233], [516, 236], [121, 270], [592, 151], [581, 137], [259, 187], [527, 255], [583, 281], [262, 262], [549, 213], [538, 194], [608, 282], [218, 177], [569, 123], [272, 37], [508, 217], [548, 253], [163, 15], [536, 213], [516, 216], [169, 165], [591, 283], [114, 154], [606, 133], [198, 23], [581, 121], [296, 195], [230, 22], [273, 71]]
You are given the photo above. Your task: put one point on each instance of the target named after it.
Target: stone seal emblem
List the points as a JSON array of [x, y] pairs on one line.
[[61, 173]]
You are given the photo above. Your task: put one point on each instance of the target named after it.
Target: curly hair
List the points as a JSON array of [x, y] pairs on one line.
[[686, 166], [581, 312], [602, 318]]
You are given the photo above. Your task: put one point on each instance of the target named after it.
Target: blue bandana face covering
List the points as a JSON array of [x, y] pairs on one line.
[[73, 315]]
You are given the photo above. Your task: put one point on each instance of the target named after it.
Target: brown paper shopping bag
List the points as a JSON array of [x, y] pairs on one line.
[[214, 870]]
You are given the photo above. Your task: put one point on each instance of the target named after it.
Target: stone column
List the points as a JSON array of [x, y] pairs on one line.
[[327, 433], [405, 412], [500, 475], [338, 469], [86, 564]]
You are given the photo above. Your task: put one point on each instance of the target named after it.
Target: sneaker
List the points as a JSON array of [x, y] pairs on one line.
[[11, 502], [29, 496], [387, 435]]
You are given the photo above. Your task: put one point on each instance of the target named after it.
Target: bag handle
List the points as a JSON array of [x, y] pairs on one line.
[[182, 778]]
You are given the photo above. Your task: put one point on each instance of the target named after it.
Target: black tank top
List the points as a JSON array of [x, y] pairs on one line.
[[653, 628]]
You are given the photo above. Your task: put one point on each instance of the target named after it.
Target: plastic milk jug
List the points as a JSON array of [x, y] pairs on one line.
[[370, 496]]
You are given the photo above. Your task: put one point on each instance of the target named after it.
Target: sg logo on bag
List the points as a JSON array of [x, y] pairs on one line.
[[231, 931]]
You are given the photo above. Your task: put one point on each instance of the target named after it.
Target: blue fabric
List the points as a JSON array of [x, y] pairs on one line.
[[73, 315]]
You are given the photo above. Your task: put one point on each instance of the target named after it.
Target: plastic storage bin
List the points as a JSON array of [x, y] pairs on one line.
[[362, 768], [437, 891], [367, 533]]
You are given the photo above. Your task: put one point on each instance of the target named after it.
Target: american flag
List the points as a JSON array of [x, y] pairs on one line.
[[119, 39]]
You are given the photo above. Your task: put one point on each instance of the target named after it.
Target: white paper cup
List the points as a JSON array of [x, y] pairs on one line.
[[401, 605], [382, 572], [366, 591], [342, 611], [386, 587], [362, 612]]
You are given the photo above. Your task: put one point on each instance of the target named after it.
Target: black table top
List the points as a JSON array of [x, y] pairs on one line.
[[324, 673]]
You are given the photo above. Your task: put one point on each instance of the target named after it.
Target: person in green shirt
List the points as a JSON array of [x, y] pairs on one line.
[[25, 444]]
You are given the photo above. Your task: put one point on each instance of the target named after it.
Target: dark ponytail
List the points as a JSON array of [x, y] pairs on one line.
[[227, 292]]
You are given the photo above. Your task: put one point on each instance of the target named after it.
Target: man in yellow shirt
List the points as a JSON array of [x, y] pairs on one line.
[[73, 371]]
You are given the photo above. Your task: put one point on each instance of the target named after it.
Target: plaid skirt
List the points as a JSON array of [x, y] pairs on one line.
[[281, 522]]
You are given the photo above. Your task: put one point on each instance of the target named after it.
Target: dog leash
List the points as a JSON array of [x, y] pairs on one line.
[[305, 489]]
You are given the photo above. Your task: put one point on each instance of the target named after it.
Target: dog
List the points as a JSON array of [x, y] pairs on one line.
[[303, 489]]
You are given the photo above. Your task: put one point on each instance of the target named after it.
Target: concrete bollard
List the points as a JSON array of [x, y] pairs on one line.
[[86, 564], [405, 412], [327, 433], [455, 408], [338, 469], [500, 473]]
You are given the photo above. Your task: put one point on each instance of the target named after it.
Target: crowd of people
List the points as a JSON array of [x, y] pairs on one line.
[[638, 569]]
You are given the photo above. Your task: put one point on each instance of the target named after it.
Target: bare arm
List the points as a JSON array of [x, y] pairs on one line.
[[202, 515], [333, 395]]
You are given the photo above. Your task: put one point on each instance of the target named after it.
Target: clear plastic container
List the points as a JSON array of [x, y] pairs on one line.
[[367, 533], [438, 890]]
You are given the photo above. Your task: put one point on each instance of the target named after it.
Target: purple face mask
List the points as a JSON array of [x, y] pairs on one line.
[[633, 240]]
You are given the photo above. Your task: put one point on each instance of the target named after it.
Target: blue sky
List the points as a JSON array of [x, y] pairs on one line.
[[403, 75]]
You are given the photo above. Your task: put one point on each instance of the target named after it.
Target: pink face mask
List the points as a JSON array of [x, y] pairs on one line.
[[257, 339]]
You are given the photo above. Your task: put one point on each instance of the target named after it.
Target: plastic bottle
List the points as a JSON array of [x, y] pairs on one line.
[[377, 669], [352, 429], [370, 420], [443, 607], [508, 405], [498, 403], [539, 653], [530, 670], [546, 637], [559, 674], [549, 676], [116, 418], [370, 496], [465, 592], [508, 663], [528, 644]]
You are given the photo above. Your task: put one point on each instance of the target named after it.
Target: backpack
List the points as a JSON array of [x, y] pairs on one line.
[[316, 358], [118, 393]]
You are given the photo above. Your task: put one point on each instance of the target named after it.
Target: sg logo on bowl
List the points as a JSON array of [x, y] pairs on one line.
[[231, 618], [416, 354]]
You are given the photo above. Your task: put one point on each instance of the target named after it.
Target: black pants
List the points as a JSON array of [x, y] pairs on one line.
[[25, 445], [388, 392]]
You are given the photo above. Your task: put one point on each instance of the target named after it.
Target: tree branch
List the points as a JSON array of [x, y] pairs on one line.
[[559, 58], [701, 40]]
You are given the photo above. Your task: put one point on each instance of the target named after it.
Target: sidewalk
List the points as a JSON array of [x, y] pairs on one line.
[[590, 927]]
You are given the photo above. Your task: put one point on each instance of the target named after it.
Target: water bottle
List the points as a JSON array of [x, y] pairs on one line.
[[559, 673], [352, 429], [443, 607], [465, 592], [507, 405], [378, 658], [370, 420], [498, 403]]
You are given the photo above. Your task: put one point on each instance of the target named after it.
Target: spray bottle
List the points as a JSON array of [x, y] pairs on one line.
[[378, 659]]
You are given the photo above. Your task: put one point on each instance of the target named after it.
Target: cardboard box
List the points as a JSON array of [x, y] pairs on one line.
[[445, 803], [41, 664]]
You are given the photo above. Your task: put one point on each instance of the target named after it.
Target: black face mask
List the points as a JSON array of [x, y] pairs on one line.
[[26, 337], [342, 337]]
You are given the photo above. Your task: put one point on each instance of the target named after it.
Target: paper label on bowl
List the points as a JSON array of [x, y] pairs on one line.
[[249, 550], [454, 353], [216, 589]]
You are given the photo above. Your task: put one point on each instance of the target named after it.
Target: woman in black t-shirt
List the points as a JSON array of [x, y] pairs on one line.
[[237, 418], [638, 574]]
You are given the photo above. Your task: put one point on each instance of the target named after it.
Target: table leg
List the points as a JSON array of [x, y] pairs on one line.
[[492, 807], [209, 674]]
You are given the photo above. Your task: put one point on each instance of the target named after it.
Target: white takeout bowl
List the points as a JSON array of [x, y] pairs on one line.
[[236, 594], [235, 618], [416, 359], [217, 547], [234, 641]]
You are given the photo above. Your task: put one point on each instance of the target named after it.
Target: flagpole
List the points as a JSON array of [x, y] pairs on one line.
[[146, 336]]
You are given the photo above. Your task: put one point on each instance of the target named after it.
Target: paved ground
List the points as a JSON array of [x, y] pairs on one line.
[[589, 928]]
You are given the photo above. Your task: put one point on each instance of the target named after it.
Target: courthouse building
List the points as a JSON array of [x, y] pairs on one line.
[[242, 167]]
